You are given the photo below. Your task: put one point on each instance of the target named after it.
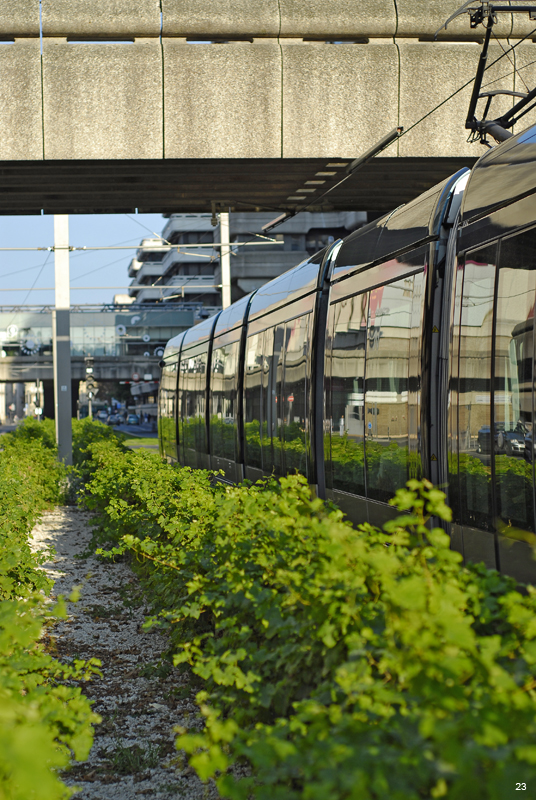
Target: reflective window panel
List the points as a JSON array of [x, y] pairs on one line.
[[513, 395], [347, 417], [475, 437], [391, 328], [294, 400], [253, 419], [223, 412]]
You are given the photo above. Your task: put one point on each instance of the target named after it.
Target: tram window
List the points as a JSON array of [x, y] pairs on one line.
[[252, 400], [193, 381], [475, 437], [223, 422], [294, 399], [390, 330], [167, 432], [349, 335], [454, 488], [272, 399], [513, 403], [374, 340]]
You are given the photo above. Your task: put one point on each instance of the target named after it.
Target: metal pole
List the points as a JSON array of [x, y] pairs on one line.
[[61, 333], [225, 260]]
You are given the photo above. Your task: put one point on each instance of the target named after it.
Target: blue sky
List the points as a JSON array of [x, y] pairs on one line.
[[20, 270]]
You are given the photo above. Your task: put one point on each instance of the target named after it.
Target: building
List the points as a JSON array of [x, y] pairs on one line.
[[182, 269], [162, 273], [191, 275]]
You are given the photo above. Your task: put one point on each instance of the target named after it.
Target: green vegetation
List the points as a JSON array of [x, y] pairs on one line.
[[44, 719], [336, 662]]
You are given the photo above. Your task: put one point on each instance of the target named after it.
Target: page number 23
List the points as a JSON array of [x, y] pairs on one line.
[[521, 787]]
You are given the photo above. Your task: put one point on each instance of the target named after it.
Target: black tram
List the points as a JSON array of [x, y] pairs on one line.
[[404, 350]]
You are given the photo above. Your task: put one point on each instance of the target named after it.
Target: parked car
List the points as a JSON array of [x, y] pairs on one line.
[[529, 450], [484, 437], [102, 414], [114, 419], [511, 442], [133, 419]]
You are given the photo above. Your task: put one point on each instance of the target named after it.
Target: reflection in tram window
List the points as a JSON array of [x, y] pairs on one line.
[[349, 334], [271, 394], [391, 326], [193, 385], [474, 389], [295, 396], [223, 421], [513, 406], [252, 400], [275, 404], [166, 417], [454, 489], [374, 391]]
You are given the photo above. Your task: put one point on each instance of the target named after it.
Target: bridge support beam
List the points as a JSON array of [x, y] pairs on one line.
[[61, 343]]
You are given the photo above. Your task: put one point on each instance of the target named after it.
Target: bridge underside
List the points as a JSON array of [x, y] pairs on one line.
[[194, 185]]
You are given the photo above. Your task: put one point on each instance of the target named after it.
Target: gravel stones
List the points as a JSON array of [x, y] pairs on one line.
[[140, 696]]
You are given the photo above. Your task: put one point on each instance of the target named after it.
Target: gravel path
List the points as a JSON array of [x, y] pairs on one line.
[[140, 697]]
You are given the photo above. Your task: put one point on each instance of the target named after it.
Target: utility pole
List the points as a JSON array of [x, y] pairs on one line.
[[61, 340], [225, 259]]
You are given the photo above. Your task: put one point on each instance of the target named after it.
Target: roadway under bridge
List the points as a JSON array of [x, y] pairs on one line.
[[191, 105]]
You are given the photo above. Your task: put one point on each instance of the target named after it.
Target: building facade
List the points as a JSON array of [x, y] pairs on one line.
[[184, 266]]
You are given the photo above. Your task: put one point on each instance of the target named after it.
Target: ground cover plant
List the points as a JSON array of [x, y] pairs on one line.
[[336, 662], [44, 720]]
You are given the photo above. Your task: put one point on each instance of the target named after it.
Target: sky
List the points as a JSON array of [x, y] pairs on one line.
[[96, 269]]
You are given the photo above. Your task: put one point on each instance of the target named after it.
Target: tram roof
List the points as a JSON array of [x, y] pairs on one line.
[[404, 228], [502, 175], [232, 317]]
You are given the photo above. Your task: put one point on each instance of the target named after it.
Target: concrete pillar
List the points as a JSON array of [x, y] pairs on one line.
[[225, 260], [61, 338]]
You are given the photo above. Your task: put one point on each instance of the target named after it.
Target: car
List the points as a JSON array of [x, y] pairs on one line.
[[114, 419], [133, 419], [102, 414], [483, 444], [530, 448], [511, 442]]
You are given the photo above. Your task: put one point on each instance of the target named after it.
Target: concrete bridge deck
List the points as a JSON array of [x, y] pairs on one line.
[[116, 105]]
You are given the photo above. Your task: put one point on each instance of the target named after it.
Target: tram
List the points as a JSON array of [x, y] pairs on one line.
[[405, 350]]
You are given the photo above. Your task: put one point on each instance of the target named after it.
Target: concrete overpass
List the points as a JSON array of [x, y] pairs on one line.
[[115, 105]]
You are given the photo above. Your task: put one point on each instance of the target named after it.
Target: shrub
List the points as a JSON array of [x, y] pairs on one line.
[[43, 720], [337, 662]]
